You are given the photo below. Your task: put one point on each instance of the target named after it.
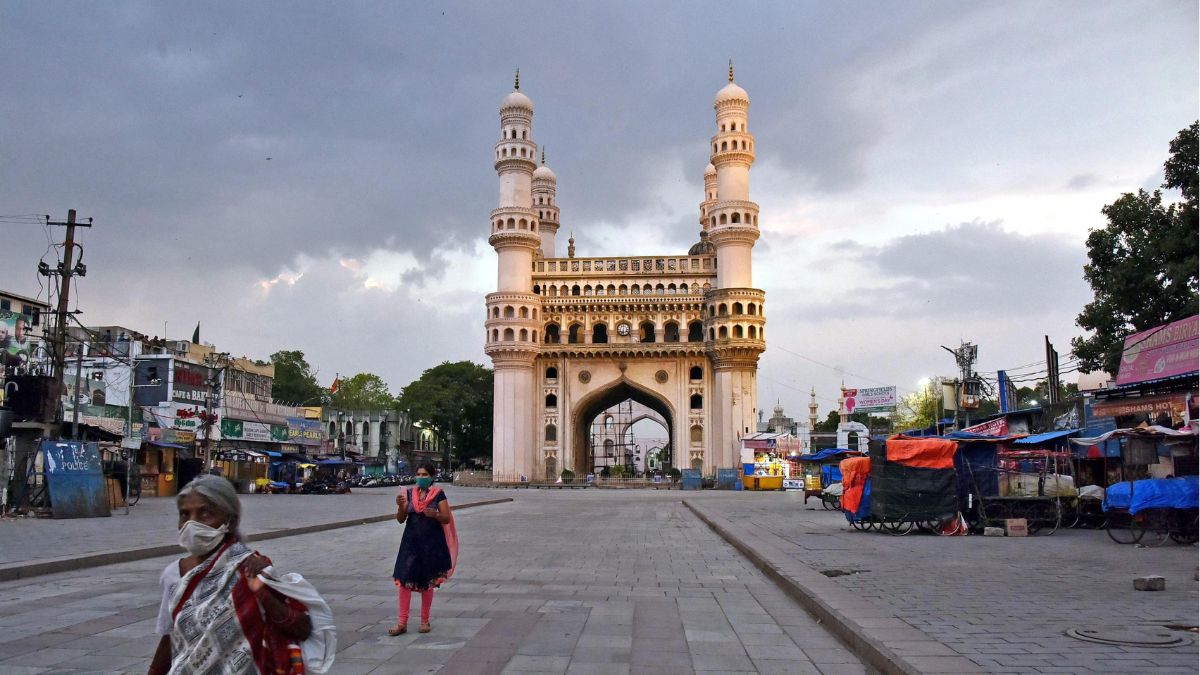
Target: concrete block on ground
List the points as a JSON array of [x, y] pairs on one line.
[[1149, 583], [993, 531]]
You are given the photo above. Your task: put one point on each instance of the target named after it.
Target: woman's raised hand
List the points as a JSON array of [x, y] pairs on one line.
[[401, 502]]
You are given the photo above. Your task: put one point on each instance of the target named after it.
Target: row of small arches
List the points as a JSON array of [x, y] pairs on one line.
[[695, 402], [738, 332], [514, 224], [510, 312], [733, 126], [724, 309], [646, 333], [733, 145], [695, 374], [513, 152], [549, 201], [510, 335], [735, 218], [512, 133], [611, 289]]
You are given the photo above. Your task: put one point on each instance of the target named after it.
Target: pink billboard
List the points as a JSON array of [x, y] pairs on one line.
[[1160, 352]]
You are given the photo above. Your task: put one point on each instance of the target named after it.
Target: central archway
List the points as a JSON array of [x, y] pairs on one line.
[[598, 402]]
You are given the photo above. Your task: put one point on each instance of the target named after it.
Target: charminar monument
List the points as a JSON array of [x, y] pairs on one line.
[[572, 336]]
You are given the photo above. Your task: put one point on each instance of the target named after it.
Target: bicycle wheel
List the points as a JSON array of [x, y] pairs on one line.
[[1156, 526], [1186, 528], [898, 528], [1123, 528], [1048, 516], [996, 512], [1072, 515], [134, 497]]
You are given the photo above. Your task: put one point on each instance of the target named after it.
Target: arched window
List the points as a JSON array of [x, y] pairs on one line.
[[608, 447], [552, 373], [670, 289], [575, 334], [623, 289], [660, 289], [712, 335], [554, 291], [697, 433], [696, 331], [508, 312], [551, 433], [671, 332], [552, 335], [524, 312], [714, 220], [753, 331], [737, 331], [750, 309], [723, 309], [646, 332], [612, 290], [695, 373], [683, 289], [537, 290], [723, 221], [508, 335], [735, 218], [575, 289], [524, 335], [608, 423], [599, 334], [587, 290], [496, 312], [737, 308], [723, 332], [495, 335], [512, 224], [551, 401], [696, 402], [533, 336], [724, 146]]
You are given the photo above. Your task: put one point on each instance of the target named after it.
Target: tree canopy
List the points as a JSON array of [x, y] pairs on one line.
[[1143, 265], [364, 391], [295, 382], [455, 401]]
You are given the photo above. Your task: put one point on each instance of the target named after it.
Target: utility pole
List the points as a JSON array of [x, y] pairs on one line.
[[66, 270]]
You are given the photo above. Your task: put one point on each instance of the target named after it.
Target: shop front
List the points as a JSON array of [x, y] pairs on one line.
[[763, 465]]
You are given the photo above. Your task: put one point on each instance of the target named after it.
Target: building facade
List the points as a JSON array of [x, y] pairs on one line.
[[570, 337]]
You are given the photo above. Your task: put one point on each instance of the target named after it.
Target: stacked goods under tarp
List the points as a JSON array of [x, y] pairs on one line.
[[856, 487], [1154, 493], [913, 479]]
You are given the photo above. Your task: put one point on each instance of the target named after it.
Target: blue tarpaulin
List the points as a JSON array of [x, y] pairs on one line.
[[1038, 439], [827, 454], [1154, 493]]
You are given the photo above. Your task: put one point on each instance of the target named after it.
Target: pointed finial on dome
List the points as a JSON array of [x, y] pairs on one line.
[[571, 246], [730, 71], [543, 155], [517, 81]]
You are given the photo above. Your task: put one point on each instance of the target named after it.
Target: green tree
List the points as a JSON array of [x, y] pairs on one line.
[[831, 421], [364, 391], [920, 409], [295, 381], [1143, 265], [455, 401]]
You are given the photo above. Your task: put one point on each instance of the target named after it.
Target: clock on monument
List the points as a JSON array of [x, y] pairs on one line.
[[623, 329]]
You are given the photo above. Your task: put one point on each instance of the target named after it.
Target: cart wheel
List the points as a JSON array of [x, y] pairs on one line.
[[1123, 528], [828, 505], [1072, 513], [1048, 516], [860, 525], [1186, 528], [898, 528], [996, 511], [1157, 526]]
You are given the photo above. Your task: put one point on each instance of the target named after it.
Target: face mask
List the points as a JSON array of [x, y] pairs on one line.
[[424, 481], [198, 538]]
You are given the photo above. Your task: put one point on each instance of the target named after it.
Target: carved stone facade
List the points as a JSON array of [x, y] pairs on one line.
[[571, 337]]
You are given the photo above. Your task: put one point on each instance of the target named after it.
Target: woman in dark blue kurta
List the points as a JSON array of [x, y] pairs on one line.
[[428, 548]]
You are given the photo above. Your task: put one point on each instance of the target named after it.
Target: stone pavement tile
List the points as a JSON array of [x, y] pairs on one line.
[[658, 658], [537, 664], [698, 649], [660, 669], [944, 664], [599, 668], [143, 647], [601, 654], [98, 662], [722, 663], [23, 670], [785, 667], [771, 639], [830, 655], [48, 656], [699, 635], [920, 648], [842, 669], [773, 652], [603, 641]]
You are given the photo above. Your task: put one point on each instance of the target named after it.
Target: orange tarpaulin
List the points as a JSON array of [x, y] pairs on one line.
[[927, 453], [855, 472]]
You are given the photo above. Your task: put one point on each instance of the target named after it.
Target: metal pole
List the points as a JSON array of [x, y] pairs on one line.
[[75, 403], [129, 434]]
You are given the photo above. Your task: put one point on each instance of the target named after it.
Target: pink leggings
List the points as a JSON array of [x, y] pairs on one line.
[[406, 599]]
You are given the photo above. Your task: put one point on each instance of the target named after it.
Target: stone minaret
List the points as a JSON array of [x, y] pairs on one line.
[[812, 409], [734, 321], [545, 188], [512, 322]]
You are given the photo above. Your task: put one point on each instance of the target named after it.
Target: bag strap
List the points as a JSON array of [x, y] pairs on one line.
[[198, 577]]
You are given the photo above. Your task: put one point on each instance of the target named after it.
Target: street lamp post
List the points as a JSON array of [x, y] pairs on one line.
[[341, 435]]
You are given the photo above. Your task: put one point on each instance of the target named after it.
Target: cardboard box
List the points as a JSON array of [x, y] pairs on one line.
[[1017, 527]]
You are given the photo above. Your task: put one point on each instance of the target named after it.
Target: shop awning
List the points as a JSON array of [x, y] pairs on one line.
[[333, 462], [253, 453], [272, 453], [1038, 439], [164, 444]]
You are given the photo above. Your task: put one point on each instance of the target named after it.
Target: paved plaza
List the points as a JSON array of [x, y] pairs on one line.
[[629, 581]]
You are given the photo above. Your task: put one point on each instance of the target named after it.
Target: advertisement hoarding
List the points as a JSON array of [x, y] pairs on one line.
[[1163, 351], [871, 399]]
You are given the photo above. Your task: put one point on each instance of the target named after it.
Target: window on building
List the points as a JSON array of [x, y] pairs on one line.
[[671, 332], [551, 401], [551, 433], [695, 373], [600, 334], [696, 402]]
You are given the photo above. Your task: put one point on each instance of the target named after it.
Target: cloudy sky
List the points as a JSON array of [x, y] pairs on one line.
[[318, 176]]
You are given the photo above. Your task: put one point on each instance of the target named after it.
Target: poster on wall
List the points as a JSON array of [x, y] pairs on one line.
[[873, 399], [18, 346]]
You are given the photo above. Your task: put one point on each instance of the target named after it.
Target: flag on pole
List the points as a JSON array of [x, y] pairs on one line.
[[196, 334], [334, 387]]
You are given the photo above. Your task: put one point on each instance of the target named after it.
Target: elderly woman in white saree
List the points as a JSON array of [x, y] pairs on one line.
[[222, 611]]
